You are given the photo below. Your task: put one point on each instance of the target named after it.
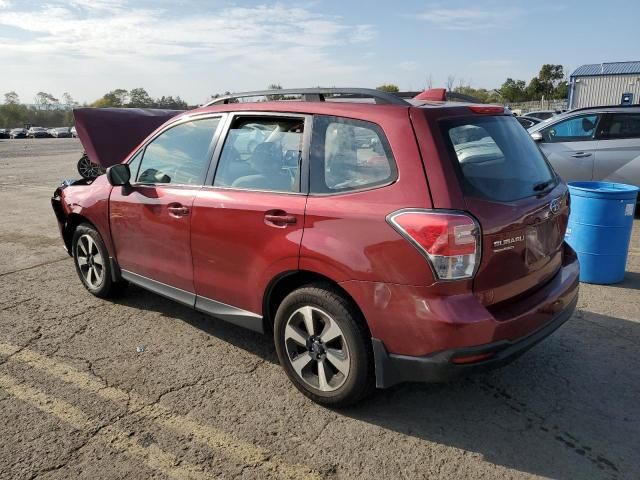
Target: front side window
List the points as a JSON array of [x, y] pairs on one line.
[[349, 154], [179, 155], [262, 154], [621, 125], [574, 129], [497, 159], [134, 164]]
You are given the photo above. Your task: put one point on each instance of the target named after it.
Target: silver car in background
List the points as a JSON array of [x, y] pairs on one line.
[[60, 132], [597, 143]]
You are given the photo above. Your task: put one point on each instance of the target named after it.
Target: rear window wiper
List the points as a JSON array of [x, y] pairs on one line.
[[539, 187]]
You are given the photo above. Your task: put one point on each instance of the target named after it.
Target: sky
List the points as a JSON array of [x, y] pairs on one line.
[[197, 48]]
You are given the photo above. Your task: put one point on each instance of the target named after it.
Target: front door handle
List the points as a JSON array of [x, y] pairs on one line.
[[177, 210], [581, 155], [279, 218]]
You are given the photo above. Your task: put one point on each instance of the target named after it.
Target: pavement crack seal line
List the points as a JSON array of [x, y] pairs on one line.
[[113, 436], [241, 451], [2, 274], [563, 437]]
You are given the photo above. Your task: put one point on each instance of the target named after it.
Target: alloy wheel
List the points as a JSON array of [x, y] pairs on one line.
[[317, 349], [90, 261], [88, 169]]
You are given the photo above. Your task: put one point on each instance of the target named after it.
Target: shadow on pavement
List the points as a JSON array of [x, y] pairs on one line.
[[631, 281], [248, 340], [531, 416]]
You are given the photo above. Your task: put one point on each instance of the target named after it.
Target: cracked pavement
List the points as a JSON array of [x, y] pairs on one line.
[[208, 400]]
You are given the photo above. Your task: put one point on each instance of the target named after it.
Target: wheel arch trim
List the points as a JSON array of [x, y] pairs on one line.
[[286, 282]]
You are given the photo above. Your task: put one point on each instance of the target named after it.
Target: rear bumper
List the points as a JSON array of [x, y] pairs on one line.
[[439, 367], [419, 335]]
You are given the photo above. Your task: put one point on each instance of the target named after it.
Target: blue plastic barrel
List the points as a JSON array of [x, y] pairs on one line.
[[599, 228]]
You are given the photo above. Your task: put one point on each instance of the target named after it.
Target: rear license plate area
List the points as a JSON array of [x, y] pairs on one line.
[[543, 240]]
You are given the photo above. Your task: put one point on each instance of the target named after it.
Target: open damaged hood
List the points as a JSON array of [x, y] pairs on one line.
[[109, 134]]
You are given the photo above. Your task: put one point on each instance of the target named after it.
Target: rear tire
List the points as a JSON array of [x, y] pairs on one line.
[[324, 346], [91, 259]]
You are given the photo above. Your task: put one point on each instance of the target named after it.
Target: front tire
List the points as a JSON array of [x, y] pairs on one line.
[[324, 347], [91, 259], [87, 169]]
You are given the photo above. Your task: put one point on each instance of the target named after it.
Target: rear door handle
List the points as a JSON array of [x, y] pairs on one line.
[[279, 218], [177, 210], [581, 155]]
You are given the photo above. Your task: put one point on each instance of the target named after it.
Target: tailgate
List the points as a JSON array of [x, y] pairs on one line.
[[521, 244], [520, 203]]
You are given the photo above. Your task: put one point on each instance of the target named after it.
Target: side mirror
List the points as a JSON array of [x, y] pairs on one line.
[[119, 175], [537, 136]]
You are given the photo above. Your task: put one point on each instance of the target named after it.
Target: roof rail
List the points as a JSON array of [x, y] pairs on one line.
[[602, 107], [318, 95]]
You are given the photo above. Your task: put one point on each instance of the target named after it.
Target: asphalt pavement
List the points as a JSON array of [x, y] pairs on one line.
[[142, 387]]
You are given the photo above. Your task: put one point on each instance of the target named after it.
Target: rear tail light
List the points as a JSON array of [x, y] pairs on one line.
[[449, 241]]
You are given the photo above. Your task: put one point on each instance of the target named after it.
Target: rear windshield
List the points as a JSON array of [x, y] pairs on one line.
[[497, 158]]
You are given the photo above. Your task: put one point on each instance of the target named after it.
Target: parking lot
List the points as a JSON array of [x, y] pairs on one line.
[[204, 399]]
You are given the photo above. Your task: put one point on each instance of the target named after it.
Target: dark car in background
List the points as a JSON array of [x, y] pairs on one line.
[[38, 132], [378, 243], [18, 133], [544, 114], [528, 122], [5, 133]]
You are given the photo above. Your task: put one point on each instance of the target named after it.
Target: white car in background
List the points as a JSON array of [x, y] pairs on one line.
[[596, 143]]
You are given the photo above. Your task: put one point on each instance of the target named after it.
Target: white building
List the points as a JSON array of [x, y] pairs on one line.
[[600, 84]]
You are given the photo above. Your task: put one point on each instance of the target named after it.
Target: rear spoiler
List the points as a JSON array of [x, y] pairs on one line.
[[109, 134]]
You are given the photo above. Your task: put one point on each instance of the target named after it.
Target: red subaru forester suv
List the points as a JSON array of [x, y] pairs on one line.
[[379, 241]]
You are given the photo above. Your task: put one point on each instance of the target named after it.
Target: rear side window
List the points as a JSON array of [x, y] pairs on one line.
[[621, 125], [348, 154], [497, 159], [262, 154]]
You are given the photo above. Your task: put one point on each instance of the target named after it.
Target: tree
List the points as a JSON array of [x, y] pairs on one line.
[[171, 103], [562, 90], [388, 87], [68, 100], [114, 98], [514, 90], [139, 98], [120, 96], [548, 79], [535, 89], [451, 79], [481, 94], [11, 98], [551, 73], [274, 98], [45, 100]]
